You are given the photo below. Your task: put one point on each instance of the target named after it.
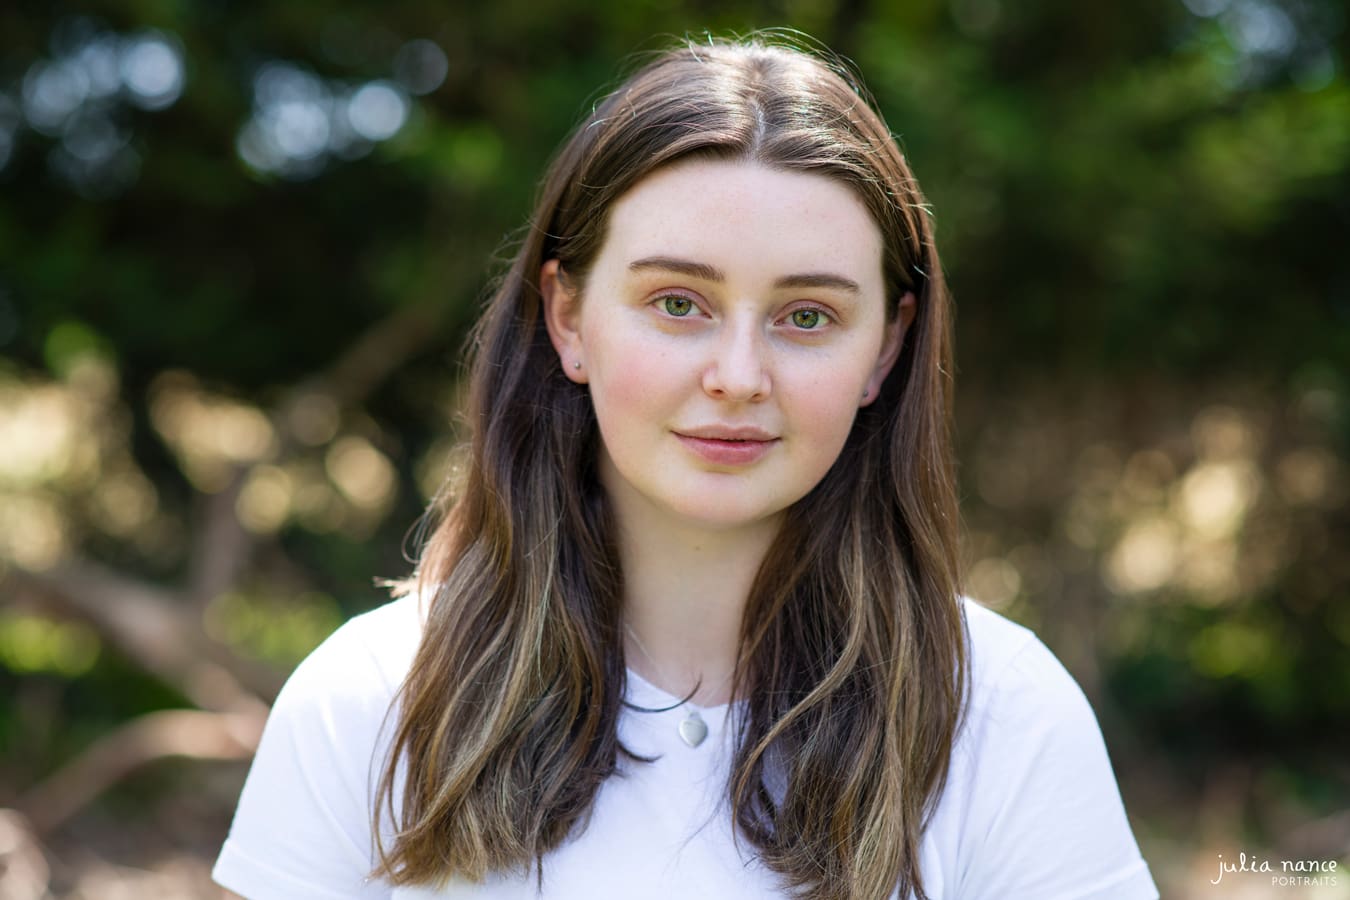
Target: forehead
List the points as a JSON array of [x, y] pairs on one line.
[[746, 218]]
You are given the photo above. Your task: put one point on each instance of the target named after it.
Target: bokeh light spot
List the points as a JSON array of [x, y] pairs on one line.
[[1145, 557], [363, 474], [32, 531], [153, 70], [995, 582], [377, 111], [1308, 476], [52, 91], [211, 434], [265, 502], [1213, 497], [420, 66]]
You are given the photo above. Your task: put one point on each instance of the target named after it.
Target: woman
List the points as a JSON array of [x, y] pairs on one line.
[[693, 624]]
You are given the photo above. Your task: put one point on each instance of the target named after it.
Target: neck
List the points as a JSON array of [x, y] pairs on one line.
[[685, 590]]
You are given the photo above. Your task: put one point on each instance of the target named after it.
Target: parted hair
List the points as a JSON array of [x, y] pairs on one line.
[[852, 669]]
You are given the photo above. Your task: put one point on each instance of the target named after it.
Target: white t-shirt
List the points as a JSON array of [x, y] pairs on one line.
[[1030, 811]]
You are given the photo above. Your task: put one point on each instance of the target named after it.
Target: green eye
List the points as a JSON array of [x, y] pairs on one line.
[[678, 306], [806, 318]]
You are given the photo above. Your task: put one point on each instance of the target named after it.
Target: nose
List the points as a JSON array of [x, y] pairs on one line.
[[737, 371]]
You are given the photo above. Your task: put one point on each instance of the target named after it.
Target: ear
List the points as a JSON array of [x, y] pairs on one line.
[[562, 317], [890, 347]]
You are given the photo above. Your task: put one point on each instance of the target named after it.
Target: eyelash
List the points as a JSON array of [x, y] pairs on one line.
[[664, 299]]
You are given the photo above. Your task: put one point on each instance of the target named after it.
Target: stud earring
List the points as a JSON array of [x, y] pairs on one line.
[[576, 364]]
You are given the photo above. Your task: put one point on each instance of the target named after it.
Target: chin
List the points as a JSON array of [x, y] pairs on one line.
[[723, 516]]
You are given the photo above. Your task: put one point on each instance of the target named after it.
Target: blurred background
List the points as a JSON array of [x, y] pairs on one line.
[[240, 245]]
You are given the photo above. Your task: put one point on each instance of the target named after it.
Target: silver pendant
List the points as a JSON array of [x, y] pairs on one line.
[[693, 729]]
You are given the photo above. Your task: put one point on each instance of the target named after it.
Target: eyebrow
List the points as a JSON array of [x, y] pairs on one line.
[[710, 273]]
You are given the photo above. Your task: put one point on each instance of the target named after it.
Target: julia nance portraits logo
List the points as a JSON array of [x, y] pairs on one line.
[[1280, 872]]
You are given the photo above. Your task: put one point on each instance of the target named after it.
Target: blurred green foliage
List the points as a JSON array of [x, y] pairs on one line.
[[281, 630], [31, 644]]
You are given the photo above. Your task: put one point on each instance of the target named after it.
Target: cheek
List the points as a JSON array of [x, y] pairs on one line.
[[825, 409], [628, 383]]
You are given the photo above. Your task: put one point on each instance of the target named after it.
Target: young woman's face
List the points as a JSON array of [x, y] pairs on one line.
[[730, 328]]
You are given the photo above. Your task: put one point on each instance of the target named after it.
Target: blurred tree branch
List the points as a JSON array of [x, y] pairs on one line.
[[186, 733], [380, 351], [24, 873], [161, 629], [150, 626], [224, 547]]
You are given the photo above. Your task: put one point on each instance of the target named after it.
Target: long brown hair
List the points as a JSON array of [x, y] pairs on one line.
[[852, 662]]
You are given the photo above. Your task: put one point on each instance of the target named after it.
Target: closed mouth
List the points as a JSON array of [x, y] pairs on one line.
[[721, 449], [729, 435]]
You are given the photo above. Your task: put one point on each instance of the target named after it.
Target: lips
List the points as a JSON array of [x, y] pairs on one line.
[[727, 446], [727, 433]]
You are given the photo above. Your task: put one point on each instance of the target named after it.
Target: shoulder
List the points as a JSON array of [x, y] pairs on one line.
[[1022, 701], [1012, 669], [342, 693], [303, 824], [361, 663], [994, 640], [1031, 807]]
